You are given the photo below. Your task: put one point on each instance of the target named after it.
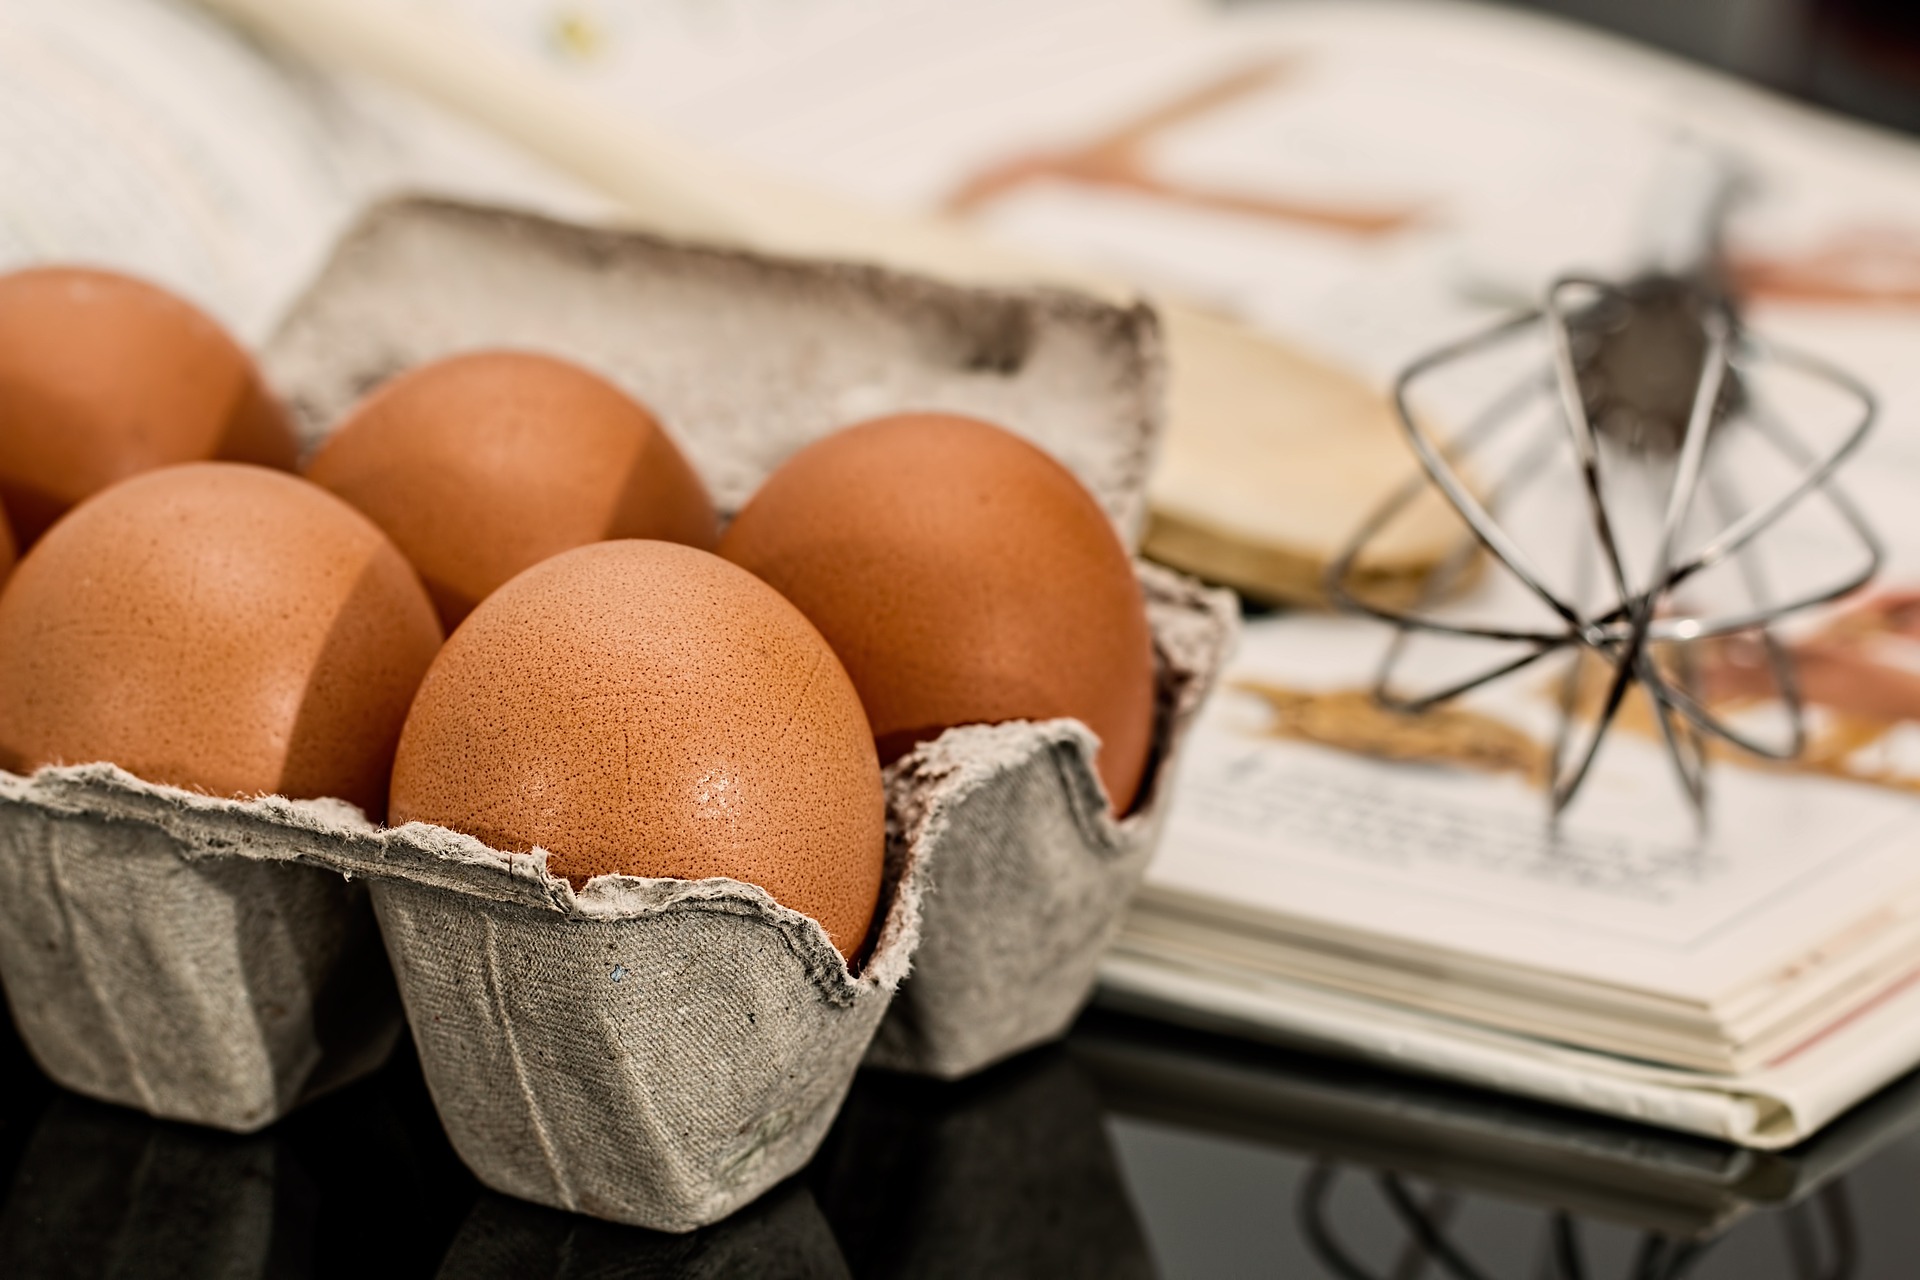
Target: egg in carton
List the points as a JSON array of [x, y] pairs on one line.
[[652, 1090]]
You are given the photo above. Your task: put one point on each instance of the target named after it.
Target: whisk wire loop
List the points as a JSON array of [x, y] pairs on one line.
[[1640, 637]]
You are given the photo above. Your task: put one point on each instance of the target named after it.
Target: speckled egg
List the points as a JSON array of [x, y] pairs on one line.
[[220, 627], [103, 376], [484, 464], [648, 709], [964, 577]]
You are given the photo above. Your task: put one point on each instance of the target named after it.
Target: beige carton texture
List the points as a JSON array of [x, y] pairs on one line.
[[652, 1052], [155, 956], [655, 1052]]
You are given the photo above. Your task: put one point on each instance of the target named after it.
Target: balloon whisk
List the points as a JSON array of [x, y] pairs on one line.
[[1609, 486]]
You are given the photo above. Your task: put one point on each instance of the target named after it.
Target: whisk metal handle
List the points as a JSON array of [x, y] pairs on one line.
[[1686, 217]]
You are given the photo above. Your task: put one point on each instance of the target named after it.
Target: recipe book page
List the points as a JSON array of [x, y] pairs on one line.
[[1289, 835], [1805, 873]]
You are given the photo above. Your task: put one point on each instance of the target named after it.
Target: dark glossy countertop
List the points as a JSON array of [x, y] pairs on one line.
[[1131, 1150]]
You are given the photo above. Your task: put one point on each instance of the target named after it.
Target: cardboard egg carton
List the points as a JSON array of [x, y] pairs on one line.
[[171, 964], [654, 1052]]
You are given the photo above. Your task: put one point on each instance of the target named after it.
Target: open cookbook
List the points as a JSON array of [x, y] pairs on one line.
[[1323, 192]]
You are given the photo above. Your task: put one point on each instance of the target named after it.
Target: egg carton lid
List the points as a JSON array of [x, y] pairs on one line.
[[809, 346]]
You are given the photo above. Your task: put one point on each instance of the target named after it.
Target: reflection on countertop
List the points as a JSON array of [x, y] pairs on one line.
[[1364, 1173], [1134, 1149], [781, 1234], [1011, 1173]]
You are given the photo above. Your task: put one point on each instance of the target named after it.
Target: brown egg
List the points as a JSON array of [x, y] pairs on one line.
[[102, 377], [220, 627], [964, 577], [7, 553], [647, 709], [482, 465]]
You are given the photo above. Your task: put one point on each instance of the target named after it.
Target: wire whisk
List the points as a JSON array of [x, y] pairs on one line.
[[1645, 383]]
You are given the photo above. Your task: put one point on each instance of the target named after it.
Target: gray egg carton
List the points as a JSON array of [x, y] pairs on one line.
[[653, 1052]]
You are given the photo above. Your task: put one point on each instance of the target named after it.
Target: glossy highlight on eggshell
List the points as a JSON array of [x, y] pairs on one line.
[[964, 577], [483, 464], [220, 627], [647, 709], [103, 376]]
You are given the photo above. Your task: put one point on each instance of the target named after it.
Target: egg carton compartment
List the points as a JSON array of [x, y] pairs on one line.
[[652, 1052], [1034, 873], [156, 961]]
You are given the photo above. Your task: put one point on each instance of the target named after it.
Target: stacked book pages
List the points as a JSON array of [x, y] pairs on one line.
[[1751, 985]]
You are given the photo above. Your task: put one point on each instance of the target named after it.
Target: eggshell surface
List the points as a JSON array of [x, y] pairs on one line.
[[103, 376], [484, 464], [220, 627], [647, 709], [963, 577]]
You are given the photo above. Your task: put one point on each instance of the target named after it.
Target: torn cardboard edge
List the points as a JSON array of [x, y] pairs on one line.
[[747, 1039], [222, 992], [336, 836]]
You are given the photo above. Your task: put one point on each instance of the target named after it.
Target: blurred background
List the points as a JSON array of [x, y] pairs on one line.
[[1861, 57]]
